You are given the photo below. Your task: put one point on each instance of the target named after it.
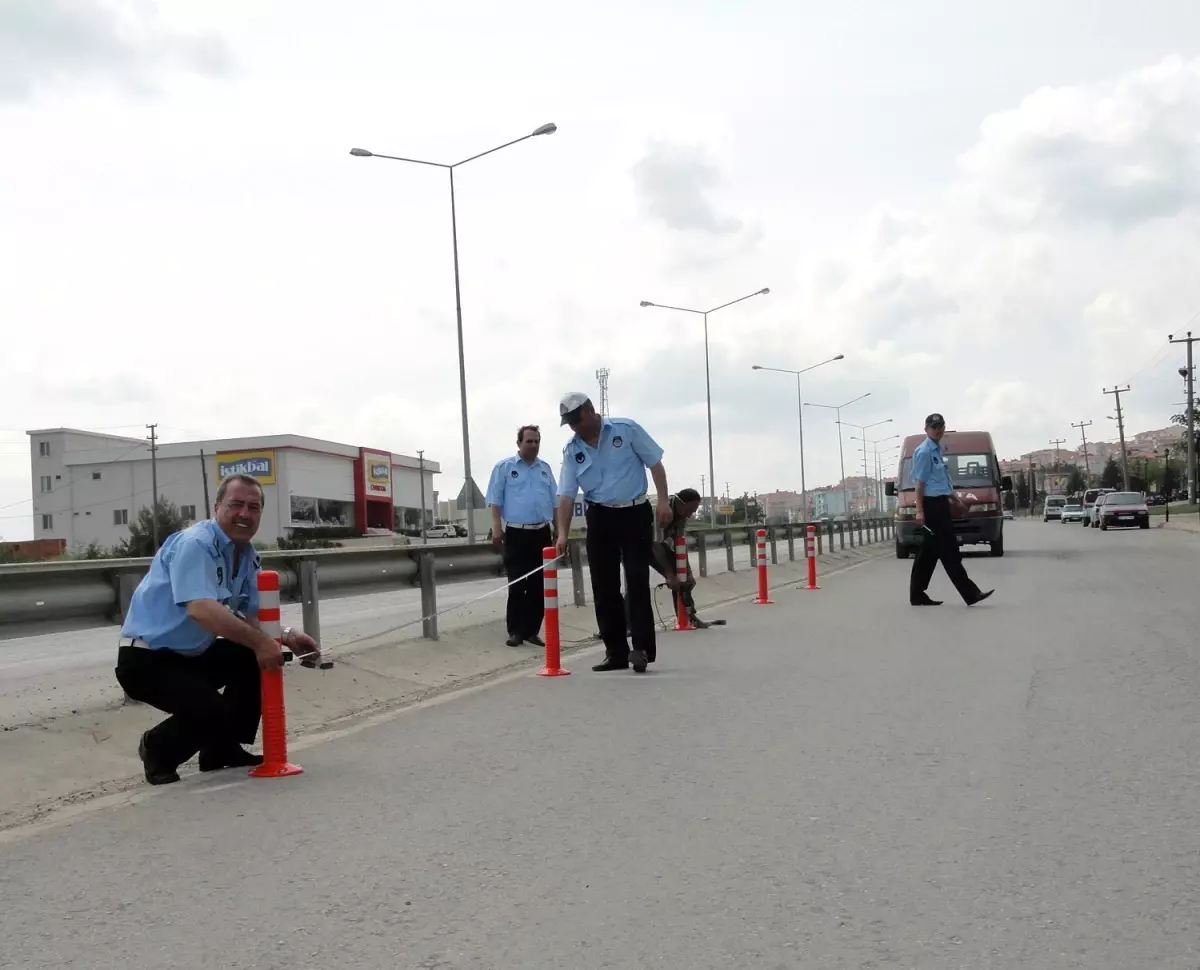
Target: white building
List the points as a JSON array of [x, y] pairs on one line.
[[88, 487]]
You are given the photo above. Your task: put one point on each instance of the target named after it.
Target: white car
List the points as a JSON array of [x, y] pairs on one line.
[[1053, 507], [441, 532], [1127, 509], [1090, 498], [1071, 513]]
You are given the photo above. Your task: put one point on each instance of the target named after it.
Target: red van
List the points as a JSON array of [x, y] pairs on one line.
[[975, 470]]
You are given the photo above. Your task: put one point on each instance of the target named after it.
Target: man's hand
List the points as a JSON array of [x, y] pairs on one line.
[[920, 515], [560, 545], [664, 514], [304, 647], [497, 539], [269, 653]]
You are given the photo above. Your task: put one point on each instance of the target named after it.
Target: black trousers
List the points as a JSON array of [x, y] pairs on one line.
[[526, 600], [189, 689], [943, 545], [617, 537], [688, 602]]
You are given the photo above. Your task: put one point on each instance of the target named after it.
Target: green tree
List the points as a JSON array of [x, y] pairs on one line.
[[1075, 480], [1111, 476], [141, 529]]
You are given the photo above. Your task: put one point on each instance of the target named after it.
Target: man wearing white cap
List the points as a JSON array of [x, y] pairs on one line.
[[608, 458]]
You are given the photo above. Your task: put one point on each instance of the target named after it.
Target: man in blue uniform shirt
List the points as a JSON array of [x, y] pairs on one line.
[[522, 497], [192, 629], [936, 507], [607, 458]]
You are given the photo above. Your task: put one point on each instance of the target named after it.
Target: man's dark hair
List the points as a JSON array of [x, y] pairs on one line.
[[527, 427], [688, 495], [245, 480]]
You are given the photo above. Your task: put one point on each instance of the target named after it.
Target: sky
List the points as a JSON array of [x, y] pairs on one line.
[[992, 212]]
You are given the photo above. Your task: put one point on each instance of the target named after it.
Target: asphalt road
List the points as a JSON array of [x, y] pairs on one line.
[[50, 674], [836, 781]]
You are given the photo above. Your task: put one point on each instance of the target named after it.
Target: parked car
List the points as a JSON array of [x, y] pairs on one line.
[[1008, 515], [441, 532], [1053, 507], [1090, 497], [1126, 509], [1071, 513]]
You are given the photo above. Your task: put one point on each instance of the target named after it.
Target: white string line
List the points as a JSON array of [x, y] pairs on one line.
[[422, 619]]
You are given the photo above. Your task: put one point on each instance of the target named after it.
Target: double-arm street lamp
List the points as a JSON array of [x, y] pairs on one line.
[[872, 446], [800, 410], [712, 478], [468, 489], [837, 408]]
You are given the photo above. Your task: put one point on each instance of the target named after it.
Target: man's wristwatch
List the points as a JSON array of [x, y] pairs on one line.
[[287, 632]]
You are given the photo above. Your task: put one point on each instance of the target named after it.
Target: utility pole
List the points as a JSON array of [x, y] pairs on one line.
[[204, 475], [1116, 392], [602, 378], [1191, 415], [154, 480], [1057, 460], [421, 460], [1087, 468]]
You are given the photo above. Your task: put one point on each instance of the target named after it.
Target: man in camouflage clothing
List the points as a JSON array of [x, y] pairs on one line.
[[684, 505]]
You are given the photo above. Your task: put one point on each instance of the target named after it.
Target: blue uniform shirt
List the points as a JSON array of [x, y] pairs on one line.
[[524, 493], [196, 564], [929, 466], [613, 471]]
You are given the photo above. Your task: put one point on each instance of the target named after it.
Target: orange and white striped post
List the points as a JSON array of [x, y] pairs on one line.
[[810, 551], [553, 666], [682, 620], [274, 717], [764, 597]]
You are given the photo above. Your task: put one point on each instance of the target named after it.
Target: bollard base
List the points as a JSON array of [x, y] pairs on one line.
[[766, 602], [275, 771], [683, 629], [553, 672], [814, 586]]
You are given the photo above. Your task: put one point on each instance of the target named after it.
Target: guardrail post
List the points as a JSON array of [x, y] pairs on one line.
[[310, 599], [427, 577], [821, 541], [575, 557], [702, 554], [126, 584], [791, 543], [850, 529], [729, 550], [841, 527], [860, 533], [774, 548]]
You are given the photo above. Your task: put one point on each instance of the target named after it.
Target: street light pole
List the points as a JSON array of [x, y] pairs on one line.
[[863, 428], [800, 411], [468, 490], [841, 455], [712, 474], [874, 447]]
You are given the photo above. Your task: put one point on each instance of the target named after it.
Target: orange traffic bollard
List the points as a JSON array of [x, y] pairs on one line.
[[764, 597], [274, 717], [682, 620], [810, 550], [553, 666]]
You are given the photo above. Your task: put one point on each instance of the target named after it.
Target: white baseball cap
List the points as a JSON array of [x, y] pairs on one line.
[[569, 406]]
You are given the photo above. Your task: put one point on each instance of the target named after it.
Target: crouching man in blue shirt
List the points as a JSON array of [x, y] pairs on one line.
[[192, 629]]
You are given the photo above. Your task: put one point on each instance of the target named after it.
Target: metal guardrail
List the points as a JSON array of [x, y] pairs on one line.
[[36, 593]]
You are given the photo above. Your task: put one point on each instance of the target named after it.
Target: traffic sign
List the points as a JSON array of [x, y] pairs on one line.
[[725, 509]]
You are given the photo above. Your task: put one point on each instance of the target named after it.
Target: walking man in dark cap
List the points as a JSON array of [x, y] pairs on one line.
[[936, 506], [607, 458]]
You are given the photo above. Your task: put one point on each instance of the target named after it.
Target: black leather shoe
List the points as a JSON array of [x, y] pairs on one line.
[[610, 665], [535, 640], [237, 757], [924, 601], [156, 772], [514, 641], [981, 597], [639, 660]]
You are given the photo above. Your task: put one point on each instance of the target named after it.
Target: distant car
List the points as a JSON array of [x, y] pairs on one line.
[[1156, 500], [1071, 513], [1053, 507], [1126, 509], [1008, 514], [441, 532], [1090, 498]]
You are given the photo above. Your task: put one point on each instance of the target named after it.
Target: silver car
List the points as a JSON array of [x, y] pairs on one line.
[[1071, 513]]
